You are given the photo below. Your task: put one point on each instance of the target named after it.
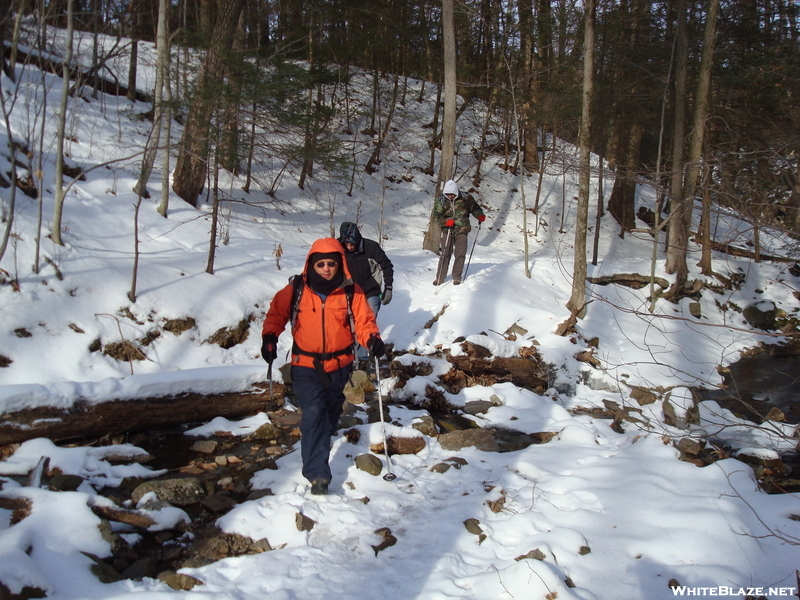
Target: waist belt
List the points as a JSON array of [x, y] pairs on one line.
[[318, 357]]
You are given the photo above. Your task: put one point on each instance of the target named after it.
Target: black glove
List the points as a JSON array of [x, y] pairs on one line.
[[269, 347], [387, 296], [376, 346]]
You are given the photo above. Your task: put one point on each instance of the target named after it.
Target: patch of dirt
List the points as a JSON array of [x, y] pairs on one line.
[[178, 326], [124, 351], [228, 337]]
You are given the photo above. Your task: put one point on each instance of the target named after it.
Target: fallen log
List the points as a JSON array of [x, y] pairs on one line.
[[87, 420], [631, 280]]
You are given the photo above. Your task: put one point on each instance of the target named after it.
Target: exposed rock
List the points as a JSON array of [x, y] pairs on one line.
[[480, 438], [104, 572], [690, 446], [21, 507], [400, 445], [443, 467], [533, 554], [542, 437], [514, 331], [752, 458], [137, 518], [530, 373], [144, 567], [369, 463], [218, 503], [644, 395], [304, 523], [388, 539], [25, 593], [180, 492], [425, 425], [509, 440], [775, 414], [359, 385], [266, 432], [588, 357], [226, 545], [762, 315], [205, 446], [65, 483], [477, 407], [474, 527], [695, 309], [179, 581], [286, 420]]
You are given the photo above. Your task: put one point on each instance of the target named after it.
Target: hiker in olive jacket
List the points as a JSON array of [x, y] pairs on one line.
[[452, 211]]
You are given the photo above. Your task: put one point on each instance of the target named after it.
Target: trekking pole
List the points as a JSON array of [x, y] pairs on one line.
[[443, 250], [389, 475], [269, 376], [471, 251]]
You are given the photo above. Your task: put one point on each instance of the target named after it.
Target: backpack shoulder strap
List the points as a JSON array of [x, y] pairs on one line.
[[297, 291]]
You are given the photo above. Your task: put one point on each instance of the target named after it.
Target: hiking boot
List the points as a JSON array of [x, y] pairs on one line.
[[319, 487], [456, 282], [436, 282]]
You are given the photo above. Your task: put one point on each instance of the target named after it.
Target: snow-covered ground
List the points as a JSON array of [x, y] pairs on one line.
[[616, 514]]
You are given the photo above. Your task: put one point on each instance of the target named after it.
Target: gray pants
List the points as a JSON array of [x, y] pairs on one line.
[[457, 248]]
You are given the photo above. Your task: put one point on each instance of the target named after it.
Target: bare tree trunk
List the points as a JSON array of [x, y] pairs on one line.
[[577, 300], [704, 233], [431, 240], [135, 274], [191, 167], [62, 121], [154, 142], [677, 235], [376, 153], [701, 108], [449, 117], [12, 61], [166, 116]]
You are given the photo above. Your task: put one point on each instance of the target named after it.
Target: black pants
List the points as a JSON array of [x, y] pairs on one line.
[[455, 245], [322, 407]]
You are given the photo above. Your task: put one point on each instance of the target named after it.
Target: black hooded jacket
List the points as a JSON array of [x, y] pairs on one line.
[[368, 264]]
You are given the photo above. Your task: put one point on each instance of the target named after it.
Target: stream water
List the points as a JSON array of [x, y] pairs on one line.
[[757, 384]]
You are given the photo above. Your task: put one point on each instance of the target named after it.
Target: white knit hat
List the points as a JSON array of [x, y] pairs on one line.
[[450, 187]]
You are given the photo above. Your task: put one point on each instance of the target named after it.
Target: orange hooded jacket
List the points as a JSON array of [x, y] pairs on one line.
[[322, 326]]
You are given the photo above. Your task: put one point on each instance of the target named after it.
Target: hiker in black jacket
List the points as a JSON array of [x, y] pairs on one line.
[[369, 267], [368, 264]]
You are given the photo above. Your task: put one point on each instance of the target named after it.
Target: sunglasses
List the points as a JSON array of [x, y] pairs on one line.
[[321, 264]]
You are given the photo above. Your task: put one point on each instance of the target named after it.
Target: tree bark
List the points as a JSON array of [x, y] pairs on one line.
[[62, 121], [431, 241], [91, 420], [577, 300], [192, 165]]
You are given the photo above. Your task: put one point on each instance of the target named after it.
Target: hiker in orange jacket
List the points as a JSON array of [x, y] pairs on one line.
[[329, 314]]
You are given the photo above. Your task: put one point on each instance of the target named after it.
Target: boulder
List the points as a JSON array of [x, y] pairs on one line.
[[479, 438]]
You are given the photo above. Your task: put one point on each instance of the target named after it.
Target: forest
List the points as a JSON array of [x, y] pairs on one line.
[[698, 98]]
